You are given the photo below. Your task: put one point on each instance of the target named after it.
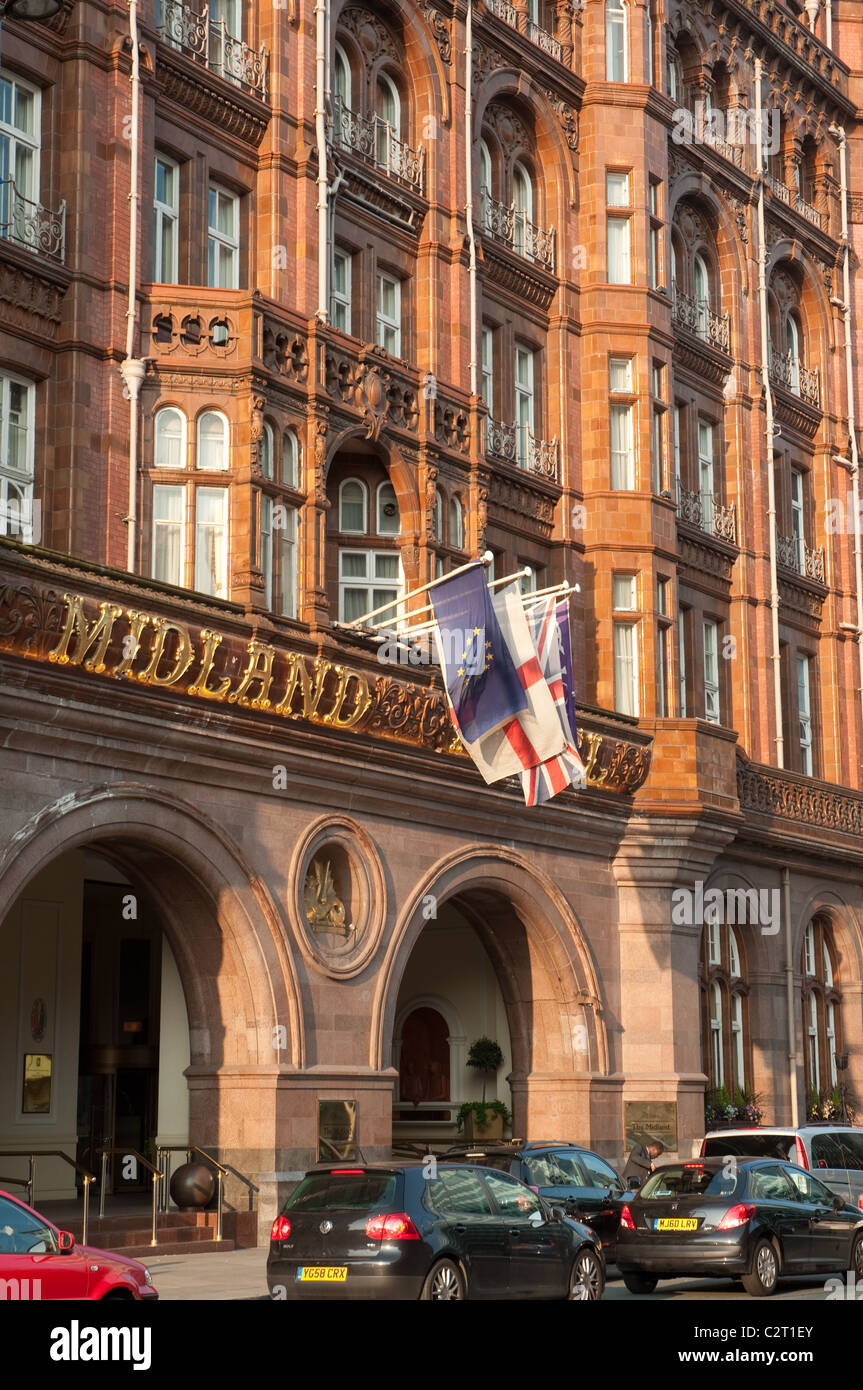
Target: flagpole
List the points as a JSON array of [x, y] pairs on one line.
[[564, 589], [485, 559], [492, 584]]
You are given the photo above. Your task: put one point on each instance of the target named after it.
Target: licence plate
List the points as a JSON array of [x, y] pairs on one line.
[[322, 1274], [675, 1223]]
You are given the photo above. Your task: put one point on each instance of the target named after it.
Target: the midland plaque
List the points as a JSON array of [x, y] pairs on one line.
[[645, 1120]]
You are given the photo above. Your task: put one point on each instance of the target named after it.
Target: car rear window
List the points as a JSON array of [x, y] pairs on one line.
[[751, 1146], [680, 1180], [826, 1151], [851, 1144], [343, 1192]]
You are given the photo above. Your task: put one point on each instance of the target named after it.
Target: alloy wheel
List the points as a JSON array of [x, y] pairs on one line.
[[445, 1284], [586, 1285], [858, 1257], [766, 1266]]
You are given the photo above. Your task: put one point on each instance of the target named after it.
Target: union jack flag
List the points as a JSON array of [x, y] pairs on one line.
[[549, 627]]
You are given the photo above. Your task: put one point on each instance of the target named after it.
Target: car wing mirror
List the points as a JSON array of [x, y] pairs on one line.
[[65, 1242]]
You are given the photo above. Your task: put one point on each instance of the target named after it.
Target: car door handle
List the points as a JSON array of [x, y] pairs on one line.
[[461, 1228]]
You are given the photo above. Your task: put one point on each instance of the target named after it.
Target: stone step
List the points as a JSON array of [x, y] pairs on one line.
[[167, 1220], [139, 1235], [152, 1252]]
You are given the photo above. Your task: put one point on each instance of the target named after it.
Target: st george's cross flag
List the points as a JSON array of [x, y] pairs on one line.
[[482, 684], [534, 734], [549, 626]]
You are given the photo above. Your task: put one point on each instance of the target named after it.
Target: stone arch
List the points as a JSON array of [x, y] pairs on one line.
[[553, 154], [694, 187], [847, 932], [401, 474], [788, 255], [227, 934], [544, 968]]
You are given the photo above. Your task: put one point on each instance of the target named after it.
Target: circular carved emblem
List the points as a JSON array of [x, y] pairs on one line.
[[337, 899]]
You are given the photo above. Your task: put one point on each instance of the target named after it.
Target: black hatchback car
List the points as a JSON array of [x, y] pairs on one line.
[[751, 1219], [579, 1181], [424, 1231]]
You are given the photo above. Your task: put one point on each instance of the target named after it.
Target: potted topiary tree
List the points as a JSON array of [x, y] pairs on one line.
[[482, 1119]]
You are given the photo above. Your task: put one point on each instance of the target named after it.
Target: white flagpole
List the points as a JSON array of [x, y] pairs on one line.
[[564, 590], [485, 559]]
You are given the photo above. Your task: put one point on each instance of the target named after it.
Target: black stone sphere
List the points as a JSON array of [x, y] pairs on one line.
[[192, 1186]]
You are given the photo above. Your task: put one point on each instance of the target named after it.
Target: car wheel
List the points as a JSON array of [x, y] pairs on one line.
[[637, 1282], [857, 1258], [444, 1281], [586, 1282], [762, 1280]]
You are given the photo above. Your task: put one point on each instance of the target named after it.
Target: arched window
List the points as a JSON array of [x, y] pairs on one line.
[[724, 1020], [484, 167], [353, 507], [701, 285], [792, 342], [424, 1060], [267, 451], [170, 439], [388, 510], [522, 199], [290, 460], [437, 517], [341, 77], [821, 1012], [213, 437], [616, 65], [717, 1052], [388, 109], [456, 524]]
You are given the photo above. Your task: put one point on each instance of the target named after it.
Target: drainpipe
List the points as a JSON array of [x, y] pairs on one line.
[[839, 133], [468, 155], [323, 310], [789, 996], [768, 428], [132, 369], [828, 16]]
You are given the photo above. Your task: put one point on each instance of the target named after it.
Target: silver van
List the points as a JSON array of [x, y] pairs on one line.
[[833, 1151]]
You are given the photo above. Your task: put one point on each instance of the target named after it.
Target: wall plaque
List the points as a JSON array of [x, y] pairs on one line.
[[650, 1119]]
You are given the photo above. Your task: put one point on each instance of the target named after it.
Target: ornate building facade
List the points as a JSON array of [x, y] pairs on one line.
[[569, 283]]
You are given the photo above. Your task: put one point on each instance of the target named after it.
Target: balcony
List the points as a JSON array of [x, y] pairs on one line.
[[374, 141], [707, 513], [727, 148], [697, 316], [31, 225], [794, 199], [207, 41], [513, 229], [537, 35], [788, 371], [517, 445], [792, 553]]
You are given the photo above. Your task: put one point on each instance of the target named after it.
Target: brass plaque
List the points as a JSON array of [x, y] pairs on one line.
[[36, 1098], [337, 1130], [650, 1119]]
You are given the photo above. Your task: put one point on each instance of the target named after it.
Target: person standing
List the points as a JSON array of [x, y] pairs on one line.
[[642, 1160]]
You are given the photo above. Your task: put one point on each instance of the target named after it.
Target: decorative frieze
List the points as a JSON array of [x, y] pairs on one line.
[[775, 793]]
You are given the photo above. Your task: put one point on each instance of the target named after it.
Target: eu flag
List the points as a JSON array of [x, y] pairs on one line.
[[484, 687]]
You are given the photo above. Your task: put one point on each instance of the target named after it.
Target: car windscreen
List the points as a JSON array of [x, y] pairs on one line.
[[751, 1146], [683, 1180], [343, 1192]]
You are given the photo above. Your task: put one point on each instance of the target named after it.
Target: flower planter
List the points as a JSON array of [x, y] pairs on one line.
[[493, 1129]]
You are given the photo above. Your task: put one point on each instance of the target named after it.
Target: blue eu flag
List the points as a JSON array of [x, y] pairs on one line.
[[481, 678]]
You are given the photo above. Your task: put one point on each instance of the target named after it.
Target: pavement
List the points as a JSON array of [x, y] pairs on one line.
[[242, 1274]]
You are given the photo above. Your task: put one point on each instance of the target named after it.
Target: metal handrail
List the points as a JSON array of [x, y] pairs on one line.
[[157, 1178], [30, 1181], [222, 1170]]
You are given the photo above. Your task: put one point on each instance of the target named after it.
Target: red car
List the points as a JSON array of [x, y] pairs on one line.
[[37, 1262]]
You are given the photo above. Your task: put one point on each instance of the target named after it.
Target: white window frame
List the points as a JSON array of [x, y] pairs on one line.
[[384, 324], [616, 42], [16, 484], [179, 489], [218, 240], [200, 527], [522, 206], [456, 524], [716, 1044], [624, 590], [350, 530], [268, 452], [706, 479], [809, 951], [369, 583], [158, 419], [626, 692], [380, 502], [813, 1041], [226, 436], [166, 213], [681, 656], [341, 62], [267, 507], [804, 715], [623, 412], [487, 356], [290, 474], [341, 298], [619, 250], [525, 400], [710, 652], [737, 1039], [31, 142], [798, 517]]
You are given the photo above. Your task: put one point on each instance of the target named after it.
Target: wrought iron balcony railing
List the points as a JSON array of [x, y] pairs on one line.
[[789, 371], [29, 224], [517, 444], [700, 319], [514, 229], [733, 153], [541, 37], [707, 513], [207, 41], [375, 141], [794, 199], [793, 553]]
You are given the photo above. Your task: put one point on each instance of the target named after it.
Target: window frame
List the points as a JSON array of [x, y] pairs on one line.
[[166, 213], [217, 239]]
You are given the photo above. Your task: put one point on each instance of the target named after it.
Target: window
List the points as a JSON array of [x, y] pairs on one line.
[[679, 414], [717, 1060], [615, 42], [488, 367], [617, 189], [341, 77], [522, 197], [656, 230], [353, 507], [290, 460], [524, 401], [792, 338], [804, 715], [711, 671], [626, 668], [211, 541], [168, 527], [705, 474], [456, 524], [20, 137], [619, 265], [279, 556], [458, 1192], [723, 994], [821, 1007], [166, 212], [622, 425], [170, 439], [267, 451], [17, 459], [623, 593], [389, 314], [213, 437], [388, 510], [797, 517], [24, 1233], [367, 579], [223, 239], [701, 285], [663, 645], [512, 1197], [340, 309], [682, 622]]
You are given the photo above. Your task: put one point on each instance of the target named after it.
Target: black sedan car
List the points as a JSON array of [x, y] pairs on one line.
[[751, 1219], [569, 1176], [427, 1231]]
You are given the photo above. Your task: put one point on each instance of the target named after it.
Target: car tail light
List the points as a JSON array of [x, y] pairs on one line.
[[396, 1226], [693, 1165], [860, 1201], [281, 1228], [348, 1172], [626, 1221], [703, 1146], [736, 1216], [802, 1160]]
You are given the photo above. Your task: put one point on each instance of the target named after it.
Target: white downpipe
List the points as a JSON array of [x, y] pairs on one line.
[[768, 428], [790, 999], [321, 28], [849, 382], [132, 369], [828, 17], [468, 156]]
